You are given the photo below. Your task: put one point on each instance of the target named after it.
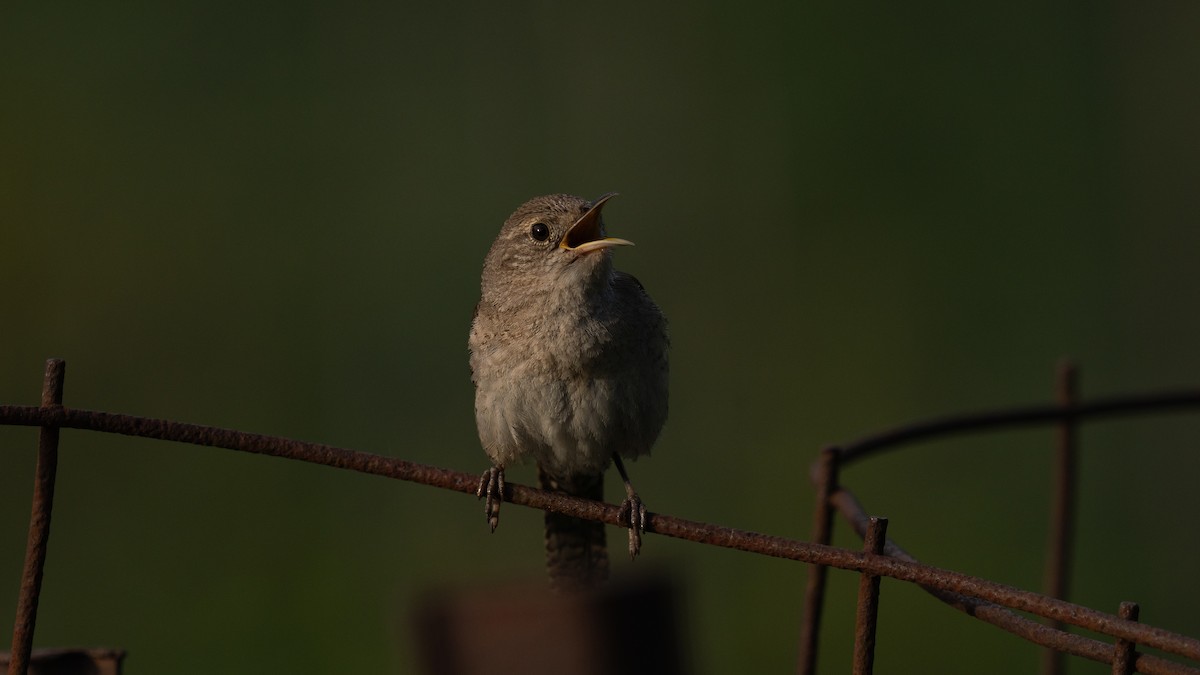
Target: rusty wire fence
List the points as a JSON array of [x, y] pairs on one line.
[[997, 604]]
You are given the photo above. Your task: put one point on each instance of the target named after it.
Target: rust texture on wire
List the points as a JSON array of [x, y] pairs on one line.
[[979, 597]]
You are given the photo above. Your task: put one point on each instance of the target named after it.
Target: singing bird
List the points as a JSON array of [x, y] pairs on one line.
[[569, 361]]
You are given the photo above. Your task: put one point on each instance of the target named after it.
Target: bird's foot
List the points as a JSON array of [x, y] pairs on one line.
[[633, 516], [491, 489]]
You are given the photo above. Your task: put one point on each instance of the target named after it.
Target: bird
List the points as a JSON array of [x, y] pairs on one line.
[[569, 361]]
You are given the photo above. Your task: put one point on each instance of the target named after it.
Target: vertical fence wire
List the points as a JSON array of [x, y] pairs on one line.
[[826, 479], [1124, 654], [867, 614], [39, 524], [1062, 509]]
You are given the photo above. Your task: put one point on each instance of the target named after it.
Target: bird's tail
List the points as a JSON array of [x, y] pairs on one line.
[[576, 555]]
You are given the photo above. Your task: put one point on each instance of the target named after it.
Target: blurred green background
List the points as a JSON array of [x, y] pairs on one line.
[[271, 217]]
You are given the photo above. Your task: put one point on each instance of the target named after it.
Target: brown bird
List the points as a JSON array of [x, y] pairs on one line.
[[569, 360]]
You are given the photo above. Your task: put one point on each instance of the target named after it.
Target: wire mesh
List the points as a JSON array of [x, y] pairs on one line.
[[983, 599]]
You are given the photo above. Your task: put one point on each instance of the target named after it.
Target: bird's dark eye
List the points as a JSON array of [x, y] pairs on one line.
[[539, 231]]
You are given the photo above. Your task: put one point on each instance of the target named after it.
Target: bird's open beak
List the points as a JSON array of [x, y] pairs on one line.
[[585, 234]]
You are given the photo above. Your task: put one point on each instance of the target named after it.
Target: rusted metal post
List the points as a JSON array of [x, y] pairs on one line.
[[39, 524], [868, 601], [1123, 653], [1062, 508], [825, 477]]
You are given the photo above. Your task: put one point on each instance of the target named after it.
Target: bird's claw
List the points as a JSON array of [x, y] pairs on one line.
[[633, 516], [491, 487]]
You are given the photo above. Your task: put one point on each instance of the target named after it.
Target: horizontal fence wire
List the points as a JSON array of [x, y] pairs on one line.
[[988, 600], [1016, 417], [680, 528]]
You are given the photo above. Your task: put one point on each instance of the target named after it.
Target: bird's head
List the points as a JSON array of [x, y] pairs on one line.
[[551, 242]]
